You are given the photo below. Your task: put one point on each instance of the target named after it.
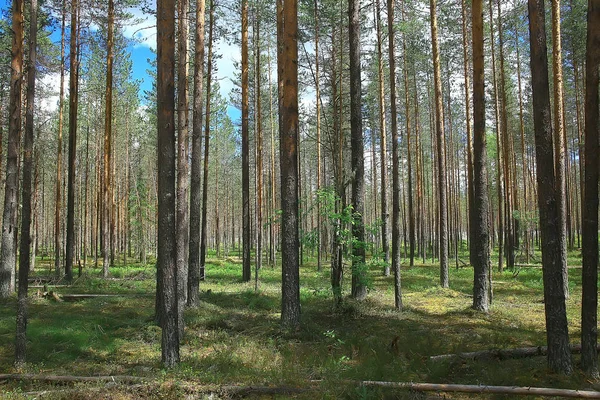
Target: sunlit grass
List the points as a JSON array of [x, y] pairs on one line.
[[234, 336]]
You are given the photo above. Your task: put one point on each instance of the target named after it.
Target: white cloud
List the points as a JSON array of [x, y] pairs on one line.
[[226, 68], [51, 83], [142, 29]]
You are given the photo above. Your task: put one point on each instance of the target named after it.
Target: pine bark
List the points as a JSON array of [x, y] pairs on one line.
[[25, 242], [9, 220], [359, 288], [479, 211], [441, 151], [246, 268], [589, 318], [107, 186], [166, 259], [395, 161], [288, 156], [559, 357], [195, 180]]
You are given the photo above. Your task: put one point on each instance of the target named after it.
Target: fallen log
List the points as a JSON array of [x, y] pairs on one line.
[[71, 378], [243, 391], [540, 266], [502, 354], [509, 390]]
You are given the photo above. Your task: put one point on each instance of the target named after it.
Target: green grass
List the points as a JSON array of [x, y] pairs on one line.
[[234, 337]]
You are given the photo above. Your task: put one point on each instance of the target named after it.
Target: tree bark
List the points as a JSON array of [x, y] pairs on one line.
[[107, 187], [589, 318], [359, 287], [11, 197], [559, 357], [479, 212], [166, 259], [395, 162], [193, 298], [288, 156], [246, 268], [441, 157], [25, 242]]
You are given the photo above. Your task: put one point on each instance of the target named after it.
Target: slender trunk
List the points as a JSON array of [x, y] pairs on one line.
[[439, 128], [318, 111], [395, 162], [207, 132], [246, 269], [559, 136], [73, 103], [259, 153], [195, 187], [25, 243], [589, 317], [559, 356], [107, 187]]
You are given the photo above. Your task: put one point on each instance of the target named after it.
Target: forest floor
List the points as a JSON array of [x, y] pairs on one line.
[[234, 337]]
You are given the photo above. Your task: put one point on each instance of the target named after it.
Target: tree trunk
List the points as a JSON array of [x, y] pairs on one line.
[[589, 318], [559, 135], [559, 357], [73, 104], [166, 259], [59, 154], [11, 197], [259, 151], [479, 213], [359, 287], [195, 186], [107, 187], [439, 129], [288, 138], [395, 162], [182, 223], [246, 268], [25, 243], [207, 133]]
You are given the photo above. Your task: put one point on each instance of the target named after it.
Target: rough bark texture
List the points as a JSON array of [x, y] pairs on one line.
[[441, 151], [395, 162], [589, 303], [288, 157], [25, 243], [559, 357], [478, 213], [9, 220], [182, 222], [359, 287], [246, 271], [166, 181], [73, 103], [107, 188], [195, 185]]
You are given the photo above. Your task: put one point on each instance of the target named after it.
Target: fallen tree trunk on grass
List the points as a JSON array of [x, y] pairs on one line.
[[508, 390], [70, 378], [502, 354], [243, 391]]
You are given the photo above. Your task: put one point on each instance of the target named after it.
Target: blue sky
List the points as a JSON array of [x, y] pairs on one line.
[[145, 34]]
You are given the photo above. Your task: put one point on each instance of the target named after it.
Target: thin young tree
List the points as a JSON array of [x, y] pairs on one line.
[[166, 259], [59, 152], [195, 180], [589, 296], [108, 118], [395, 161], [478, 212], [11, 187], [557, 333], [246, 269], [73, 105], [287, 40], [25, 243], [440, 141], [204, 234]]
